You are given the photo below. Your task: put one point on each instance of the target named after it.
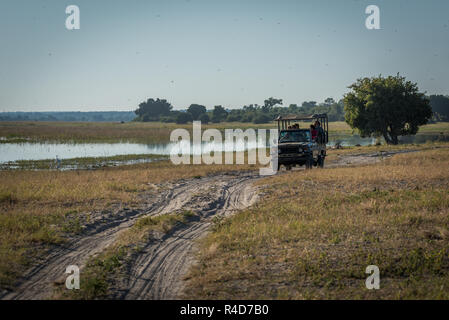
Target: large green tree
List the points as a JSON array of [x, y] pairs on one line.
[[196, 110], [388, 107], [183, 117], [269, 103], [152, 110], [219, 114]]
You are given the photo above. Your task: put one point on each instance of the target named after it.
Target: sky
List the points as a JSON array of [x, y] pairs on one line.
[[228, 52]]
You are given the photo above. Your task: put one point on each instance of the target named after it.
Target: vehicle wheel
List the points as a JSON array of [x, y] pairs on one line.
[[309, 163], [321, 162]]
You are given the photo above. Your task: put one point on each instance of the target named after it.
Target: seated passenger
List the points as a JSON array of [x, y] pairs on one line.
[[320, 132], [313, 131]]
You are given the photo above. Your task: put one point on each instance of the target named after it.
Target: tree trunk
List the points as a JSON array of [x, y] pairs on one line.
[[390, 138], [387, 137], [393, 135], [394, 138]]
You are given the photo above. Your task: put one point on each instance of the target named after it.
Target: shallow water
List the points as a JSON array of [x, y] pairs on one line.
[[42, 151]]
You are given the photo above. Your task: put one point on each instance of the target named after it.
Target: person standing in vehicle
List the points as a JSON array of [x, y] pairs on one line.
[[320, 132], [313, 132]]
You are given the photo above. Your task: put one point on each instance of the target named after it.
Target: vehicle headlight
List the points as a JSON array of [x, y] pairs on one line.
[[300, 149]]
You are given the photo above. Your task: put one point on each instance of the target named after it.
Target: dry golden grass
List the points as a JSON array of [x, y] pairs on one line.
[[333, 154], [148, 132], [316, 231], [343, 127], [86, 131], [38, 207]]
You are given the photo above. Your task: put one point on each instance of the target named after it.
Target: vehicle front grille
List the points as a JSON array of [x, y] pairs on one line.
[[288, 149]]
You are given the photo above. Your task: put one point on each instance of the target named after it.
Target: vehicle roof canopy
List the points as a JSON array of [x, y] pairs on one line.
[[301, 117], [300, 129], [284, 121]]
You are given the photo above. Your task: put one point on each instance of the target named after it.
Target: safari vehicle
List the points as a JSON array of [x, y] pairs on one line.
[[296, 146]]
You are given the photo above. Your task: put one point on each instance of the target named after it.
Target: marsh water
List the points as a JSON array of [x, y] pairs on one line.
[[10, 152]]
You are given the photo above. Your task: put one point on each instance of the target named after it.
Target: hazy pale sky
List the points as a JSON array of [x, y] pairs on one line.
[[228, 52]]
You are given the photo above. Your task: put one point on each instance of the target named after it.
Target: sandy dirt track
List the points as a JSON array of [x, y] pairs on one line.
[[158, 270]]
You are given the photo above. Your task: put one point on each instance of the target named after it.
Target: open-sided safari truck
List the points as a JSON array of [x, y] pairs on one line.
[[300, 145]]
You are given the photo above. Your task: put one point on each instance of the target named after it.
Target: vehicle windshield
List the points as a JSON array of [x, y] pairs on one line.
[[295, 136]]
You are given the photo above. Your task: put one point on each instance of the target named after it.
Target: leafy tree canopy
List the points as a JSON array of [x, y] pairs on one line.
[[329, 101], [152, 110], [269, 103], [196, 111], [204, 118], [387, 107], [183, 118], [219, 114]]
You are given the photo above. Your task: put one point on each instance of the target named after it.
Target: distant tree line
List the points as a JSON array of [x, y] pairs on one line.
[[440, 107], [94, 116], [162, 110]]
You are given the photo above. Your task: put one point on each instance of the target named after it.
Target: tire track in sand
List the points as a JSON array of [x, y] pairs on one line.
[[157, 272]]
